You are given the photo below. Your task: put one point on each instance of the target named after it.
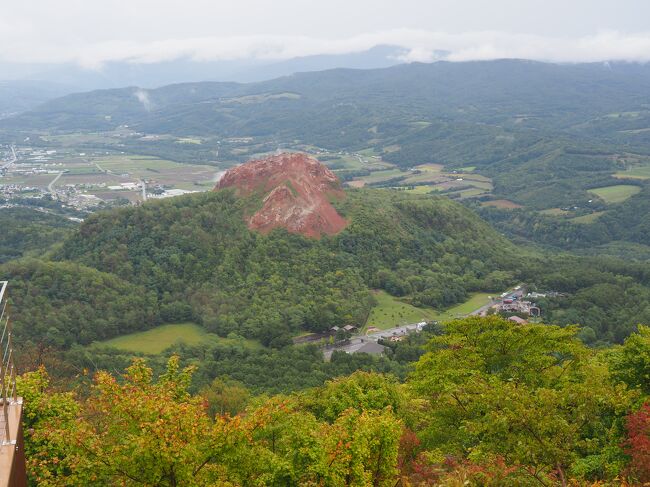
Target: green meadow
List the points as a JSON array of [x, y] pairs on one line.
[[391, 311], [617, 193], [162, 337]]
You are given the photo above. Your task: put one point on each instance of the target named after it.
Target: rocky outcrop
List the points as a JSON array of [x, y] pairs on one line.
[[296, 191]]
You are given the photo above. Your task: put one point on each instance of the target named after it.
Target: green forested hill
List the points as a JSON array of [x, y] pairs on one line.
[[202, 262], [26, 230], [62, 303], [192, 258]]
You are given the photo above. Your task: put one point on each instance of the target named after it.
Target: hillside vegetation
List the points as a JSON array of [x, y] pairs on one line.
[[201, 261], [489, 403]]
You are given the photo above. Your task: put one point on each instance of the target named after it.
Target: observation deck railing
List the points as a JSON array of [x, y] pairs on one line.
[[12, 456]]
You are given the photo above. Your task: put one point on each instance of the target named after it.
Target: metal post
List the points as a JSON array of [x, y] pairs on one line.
[[7, 373]]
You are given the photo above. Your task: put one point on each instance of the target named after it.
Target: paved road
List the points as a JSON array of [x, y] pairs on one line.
[[14, 158], [359, 341]]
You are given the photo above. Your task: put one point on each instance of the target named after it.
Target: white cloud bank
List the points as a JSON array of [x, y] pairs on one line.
[[419, 45]]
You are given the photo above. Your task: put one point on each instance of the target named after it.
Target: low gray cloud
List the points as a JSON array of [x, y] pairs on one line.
[[419, 46], [93, 33]]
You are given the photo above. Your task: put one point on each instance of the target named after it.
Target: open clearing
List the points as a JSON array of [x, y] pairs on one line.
[[476, 301], [421, 189], [391, 312], [162, 337], [430, 167], [380, 176], [471, 192], [506, 204], [635, 172], [554, 212], [617, 193], [590, 218]]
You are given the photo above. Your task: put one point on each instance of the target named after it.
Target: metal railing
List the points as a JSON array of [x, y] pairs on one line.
[[7, 370]]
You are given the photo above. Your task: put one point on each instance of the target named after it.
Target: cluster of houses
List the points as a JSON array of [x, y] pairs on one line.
[[517, 303]]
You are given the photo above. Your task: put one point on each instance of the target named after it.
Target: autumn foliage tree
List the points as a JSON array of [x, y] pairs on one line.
[[637, 444], [490, 403], [141, 431]]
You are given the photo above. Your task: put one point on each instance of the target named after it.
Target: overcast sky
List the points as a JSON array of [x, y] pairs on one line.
[[92, 32]]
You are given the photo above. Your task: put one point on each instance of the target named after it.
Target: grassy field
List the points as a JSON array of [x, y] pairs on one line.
[[554, 212], [390, 311], [590, 218], [427, 188], [635, 172], [472, 304], [158, 339], [425, 177], [430, 167], [507, 204], [470, 193], [378, 176], [617, 193]]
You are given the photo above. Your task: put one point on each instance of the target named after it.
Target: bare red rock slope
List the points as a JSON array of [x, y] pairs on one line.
[[296, 191]]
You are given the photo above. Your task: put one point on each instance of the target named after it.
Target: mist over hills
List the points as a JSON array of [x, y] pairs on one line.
[[28, 85], [19, 96]]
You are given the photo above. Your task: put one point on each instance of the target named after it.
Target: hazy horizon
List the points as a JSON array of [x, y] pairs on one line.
[[91, 34]]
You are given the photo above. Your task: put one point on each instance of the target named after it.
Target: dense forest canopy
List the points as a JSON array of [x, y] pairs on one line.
[[202, 262], [491, 402], [193, 259]]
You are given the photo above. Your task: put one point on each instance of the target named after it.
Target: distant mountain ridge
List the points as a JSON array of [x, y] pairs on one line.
[[154, 75], [517, 94], [21, 96]]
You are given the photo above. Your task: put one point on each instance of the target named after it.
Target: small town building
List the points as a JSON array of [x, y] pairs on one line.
[[372, 348]]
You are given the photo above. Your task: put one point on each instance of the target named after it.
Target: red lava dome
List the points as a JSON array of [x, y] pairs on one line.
[[297, 190]]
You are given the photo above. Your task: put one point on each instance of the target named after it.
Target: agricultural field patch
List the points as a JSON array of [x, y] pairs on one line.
[[470, 192], [554, 212], [589, 218], [616, 193], [505, 204], [423, 189], [476, 301], [635, 172], [430, 167], [380, 176], [426, 177], [356, 184]]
